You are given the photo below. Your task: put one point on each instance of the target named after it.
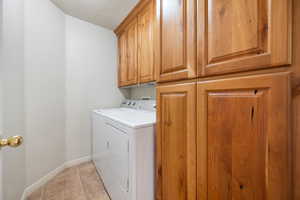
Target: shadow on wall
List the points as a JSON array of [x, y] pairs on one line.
[[125, 92], [141, 92]]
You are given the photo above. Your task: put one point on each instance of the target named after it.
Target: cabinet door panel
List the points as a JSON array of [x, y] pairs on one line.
[[122, 59], [243, 138], [176, 143], [236, 167], [239, 35], [176, 39], [172, 36], [132, 53], [237, 22], [145, 52]]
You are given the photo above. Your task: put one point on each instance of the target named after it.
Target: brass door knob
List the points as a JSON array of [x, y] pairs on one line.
[[13, 141]]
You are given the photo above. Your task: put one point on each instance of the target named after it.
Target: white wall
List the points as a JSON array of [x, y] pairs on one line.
[[145, 91], [91, 81], [44, 87], [12, 79]]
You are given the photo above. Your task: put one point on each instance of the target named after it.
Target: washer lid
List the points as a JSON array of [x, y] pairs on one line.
[[130, 117]]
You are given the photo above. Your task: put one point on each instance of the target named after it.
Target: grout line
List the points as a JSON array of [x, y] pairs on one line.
[[43, 188], [102, 182], [64, 185], [81, 184]]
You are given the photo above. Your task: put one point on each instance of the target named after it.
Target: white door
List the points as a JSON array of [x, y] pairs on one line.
[[1, 131], [12, 160], [1, 121], [6, 142]]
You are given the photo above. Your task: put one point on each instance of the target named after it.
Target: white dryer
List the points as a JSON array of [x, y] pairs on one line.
[[123, 149]]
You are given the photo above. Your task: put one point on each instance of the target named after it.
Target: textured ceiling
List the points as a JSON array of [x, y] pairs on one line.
[[106, 13]]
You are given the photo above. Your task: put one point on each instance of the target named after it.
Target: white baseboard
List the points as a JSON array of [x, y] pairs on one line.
[[77, 161], [42, 181]]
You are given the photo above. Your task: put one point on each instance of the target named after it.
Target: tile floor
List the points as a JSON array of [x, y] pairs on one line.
[[76, 183]]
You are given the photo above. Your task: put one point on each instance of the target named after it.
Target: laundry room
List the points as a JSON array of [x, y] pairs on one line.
[[149, 100]]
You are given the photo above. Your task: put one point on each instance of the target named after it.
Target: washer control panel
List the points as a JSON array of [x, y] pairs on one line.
[[140, 104]]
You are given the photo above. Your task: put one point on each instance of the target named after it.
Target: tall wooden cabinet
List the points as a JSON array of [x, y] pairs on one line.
[[243, 138], [176, 142], [234, 51], [136, 53]]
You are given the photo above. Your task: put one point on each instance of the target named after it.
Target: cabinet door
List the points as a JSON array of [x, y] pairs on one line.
[[243, 138], [176, 39], [237, 35], [176, 142], [132, 53], [122, 59], [145, 52]]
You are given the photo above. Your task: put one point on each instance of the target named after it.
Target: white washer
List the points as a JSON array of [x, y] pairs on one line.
[[123, 149]]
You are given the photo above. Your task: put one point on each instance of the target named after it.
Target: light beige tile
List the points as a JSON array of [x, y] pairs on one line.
[[76, 183], [92, 183], [37, 195]]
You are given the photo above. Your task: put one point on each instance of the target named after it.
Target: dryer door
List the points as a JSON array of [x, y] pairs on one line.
[[118, 186]]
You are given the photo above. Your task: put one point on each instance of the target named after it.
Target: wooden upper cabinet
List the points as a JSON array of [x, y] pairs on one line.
[[244, 147], [137, 30], [176, 142], [127, 44], [122, 44], [175, 41], [145, 39], [132, 42], [235, 35]]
